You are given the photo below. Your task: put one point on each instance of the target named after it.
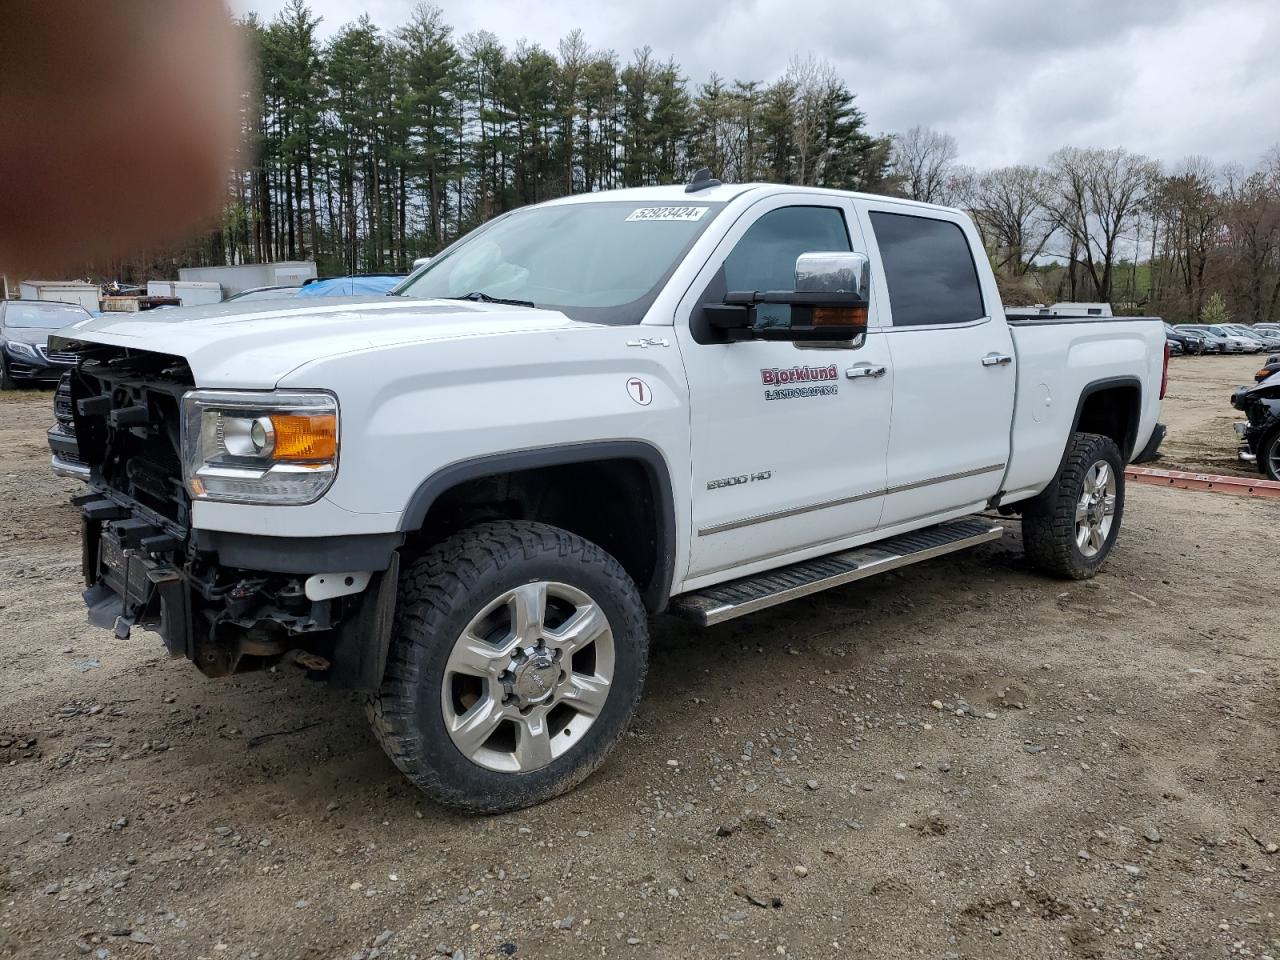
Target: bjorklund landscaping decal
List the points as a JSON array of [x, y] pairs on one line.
[[779, 382]]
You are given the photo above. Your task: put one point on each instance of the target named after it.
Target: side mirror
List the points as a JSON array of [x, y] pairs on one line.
[[829, 303]]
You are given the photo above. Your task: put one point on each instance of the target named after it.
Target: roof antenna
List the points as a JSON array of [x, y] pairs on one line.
[[702, 180]]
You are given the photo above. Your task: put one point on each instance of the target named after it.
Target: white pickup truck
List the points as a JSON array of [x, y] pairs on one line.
[[467, 498]]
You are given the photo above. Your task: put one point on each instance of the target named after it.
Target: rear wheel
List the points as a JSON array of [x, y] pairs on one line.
[[518, 656], [1070, 528]]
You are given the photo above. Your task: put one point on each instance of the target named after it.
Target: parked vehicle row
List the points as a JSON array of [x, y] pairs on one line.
[[1197, 338]]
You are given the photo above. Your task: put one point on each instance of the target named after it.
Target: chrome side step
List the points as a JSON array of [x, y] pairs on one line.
[[737, 598]]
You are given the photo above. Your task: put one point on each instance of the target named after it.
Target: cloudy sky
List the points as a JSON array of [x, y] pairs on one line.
[[1011, 80]]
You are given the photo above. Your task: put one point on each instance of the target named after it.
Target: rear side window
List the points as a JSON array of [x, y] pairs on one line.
[[929, 268]]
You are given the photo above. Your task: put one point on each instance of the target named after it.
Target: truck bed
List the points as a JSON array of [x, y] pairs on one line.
[[1060, 361]]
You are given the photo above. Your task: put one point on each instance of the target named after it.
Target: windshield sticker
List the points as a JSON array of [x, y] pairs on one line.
[[666, 213]]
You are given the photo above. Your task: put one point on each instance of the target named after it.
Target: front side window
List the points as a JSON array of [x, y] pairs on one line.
[[599, 261], [765, 257], [929, 270]]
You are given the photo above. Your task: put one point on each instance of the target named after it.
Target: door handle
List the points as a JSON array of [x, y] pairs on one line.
[[860, 370], [997, 360]]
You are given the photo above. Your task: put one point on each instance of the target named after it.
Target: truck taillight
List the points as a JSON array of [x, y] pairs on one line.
[[1164, 377]]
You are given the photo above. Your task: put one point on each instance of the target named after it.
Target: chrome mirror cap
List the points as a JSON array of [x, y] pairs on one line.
[[833, 272]]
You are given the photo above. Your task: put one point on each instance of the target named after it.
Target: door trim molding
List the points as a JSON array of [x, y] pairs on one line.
[[783, 514], [843, 501]]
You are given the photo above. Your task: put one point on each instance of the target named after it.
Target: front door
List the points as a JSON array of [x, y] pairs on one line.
[[788, 441]]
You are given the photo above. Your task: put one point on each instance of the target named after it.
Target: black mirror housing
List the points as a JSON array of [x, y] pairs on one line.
[[789, 315]]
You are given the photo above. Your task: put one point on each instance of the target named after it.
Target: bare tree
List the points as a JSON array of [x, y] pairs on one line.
[[811, 80], [1188, 211], [1098, 194], [1252, 214], [924, 161], [1009, 208]]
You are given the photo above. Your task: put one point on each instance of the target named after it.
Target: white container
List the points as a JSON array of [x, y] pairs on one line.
[[246, 276], [62, 291], [1081, 309], [192, 293]]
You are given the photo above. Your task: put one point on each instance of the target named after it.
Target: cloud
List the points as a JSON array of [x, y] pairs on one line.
[[1011, 81]]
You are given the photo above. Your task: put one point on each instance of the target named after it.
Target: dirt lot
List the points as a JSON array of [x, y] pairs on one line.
[[1102, 778]]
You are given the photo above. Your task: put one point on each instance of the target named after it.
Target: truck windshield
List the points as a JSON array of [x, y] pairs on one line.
[[42, 316], [598, 261]]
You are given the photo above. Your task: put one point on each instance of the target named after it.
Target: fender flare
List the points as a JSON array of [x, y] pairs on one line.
[[1129, 447], [646, 454]]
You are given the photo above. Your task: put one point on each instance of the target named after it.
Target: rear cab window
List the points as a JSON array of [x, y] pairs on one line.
[[929, 269]]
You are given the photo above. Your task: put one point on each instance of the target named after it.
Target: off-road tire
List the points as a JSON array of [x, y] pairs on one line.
[[1049, 520], [439, 593]]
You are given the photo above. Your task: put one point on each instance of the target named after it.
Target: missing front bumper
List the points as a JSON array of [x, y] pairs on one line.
[[226, 619]]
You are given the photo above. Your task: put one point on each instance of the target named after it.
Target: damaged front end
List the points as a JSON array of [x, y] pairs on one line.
[[1260, 433], [227, 602]]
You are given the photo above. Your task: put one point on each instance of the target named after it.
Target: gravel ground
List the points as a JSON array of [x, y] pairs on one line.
[[960, 760]]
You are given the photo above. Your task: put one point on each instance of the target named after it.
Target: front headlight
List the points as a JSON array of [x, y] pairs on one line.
[[270, 447], [20, 349]]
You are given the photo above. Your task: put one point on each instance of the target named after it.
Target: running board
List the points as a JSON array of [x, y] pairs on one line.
[[737, 598]]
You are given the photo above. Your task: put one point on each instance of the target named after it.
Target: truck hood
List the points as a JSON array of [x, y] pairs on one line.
[[255, 344]]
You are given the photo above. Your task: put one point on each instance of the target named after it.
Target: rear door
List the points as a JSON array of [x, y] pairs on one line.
[[953, 363]]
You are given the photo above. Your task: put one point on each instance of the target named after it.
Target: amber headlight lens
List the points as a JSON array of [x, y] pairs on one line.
[[277, 447]]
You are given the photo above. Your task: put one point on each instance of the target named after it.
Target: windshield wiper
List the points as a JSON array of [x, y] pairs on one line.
[[477, 296]]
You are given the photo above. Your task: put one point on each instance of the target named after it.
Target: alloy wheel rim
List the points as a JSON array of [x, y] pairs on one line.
[[1096, 509], [528, 677], [1273, 456]]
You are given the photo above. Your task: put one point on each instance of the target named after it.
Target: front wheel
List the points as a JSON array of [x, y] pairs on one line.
[[1070, 528], [1269, 454], [517, 657], [6, 381]]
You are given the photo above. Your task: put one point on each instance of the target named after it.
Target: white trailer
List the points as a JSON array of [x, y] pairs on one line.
[[62, 291]]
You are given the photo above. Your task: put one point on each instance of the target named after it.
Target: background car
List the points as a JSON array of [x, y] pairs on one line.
[[1269, 340], [61, 436], [1242, 343], [265, 293], [1212, 342], [360, 285], [1185, 341], [25, 326], [1260, 434]]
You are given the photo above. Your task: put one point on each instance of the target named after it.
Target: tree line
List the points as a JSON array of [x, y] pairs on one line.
[[1115, 226], [371, 148]]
